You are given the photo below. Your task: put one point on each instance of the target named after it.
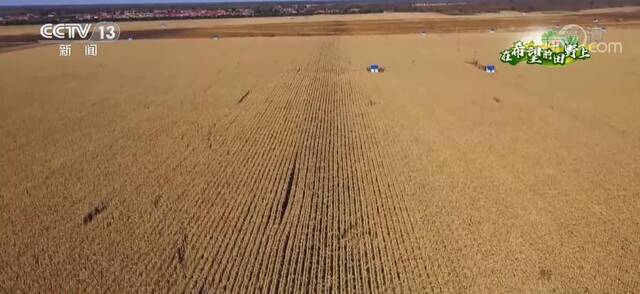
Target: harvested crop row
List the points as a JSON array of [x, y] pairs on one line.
[[305, 206]]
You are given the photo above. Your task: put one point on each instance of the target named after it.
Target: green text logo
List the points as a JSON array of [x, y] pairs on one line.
[[556, 49]]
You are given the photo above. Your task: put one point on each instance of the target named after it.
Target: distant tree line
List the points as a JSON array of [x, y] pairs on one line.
[[42, 14]]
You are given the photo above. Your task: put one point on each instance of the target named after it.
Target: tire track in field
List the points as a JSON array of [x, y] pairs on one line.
[[226, 159]]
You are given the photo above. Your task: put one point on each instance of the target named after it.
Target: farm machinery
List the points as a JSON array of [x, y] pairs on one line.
[[375, 68]]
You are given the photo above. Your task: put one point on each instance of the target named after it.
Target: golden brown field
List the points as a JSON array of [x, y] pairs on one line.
[[279, 165]]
